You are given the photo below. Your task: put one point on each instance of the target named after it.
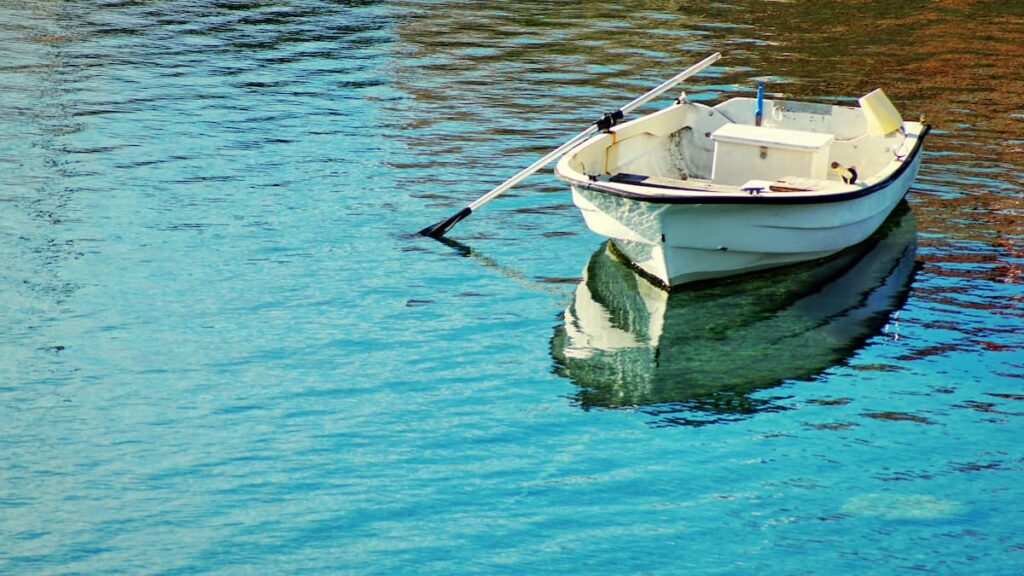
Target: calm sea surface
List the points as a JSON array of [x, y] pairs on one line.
[[223, 348]]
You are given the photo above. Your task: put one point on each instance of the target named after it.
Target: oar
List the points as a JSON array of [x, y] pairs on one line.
[[607, 121]]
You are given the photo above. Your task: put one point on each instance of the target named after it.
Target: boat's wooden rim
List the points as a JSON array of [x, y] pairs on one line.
[[686, 195]]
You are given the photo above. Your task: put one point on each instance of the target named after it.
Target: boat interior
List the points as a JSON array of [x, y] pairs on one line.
[[795, 147]]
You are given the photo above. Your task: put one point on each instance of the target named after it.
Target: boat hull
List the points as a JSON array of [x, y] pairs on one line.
[[676, 243]]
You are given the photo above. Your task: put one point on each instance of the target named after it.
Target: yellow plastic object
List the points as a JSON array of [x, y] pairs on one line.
[[881, 115]]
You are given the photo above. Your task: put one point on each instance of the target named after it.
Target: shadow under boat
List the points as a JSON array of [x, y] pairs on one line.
[[693, 357]]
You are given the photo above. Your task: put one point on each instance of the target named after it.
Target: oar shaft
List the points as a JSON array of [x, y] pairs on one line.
[[443, 226], [522, 174], [651, 95]]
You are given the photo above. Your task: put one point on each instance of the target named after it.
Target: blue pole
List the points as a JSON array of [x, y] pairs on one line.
[[759, 111]]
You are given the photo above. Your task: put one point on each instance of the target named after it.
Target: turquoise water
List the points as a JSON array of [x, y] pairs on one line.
[[223, 348]]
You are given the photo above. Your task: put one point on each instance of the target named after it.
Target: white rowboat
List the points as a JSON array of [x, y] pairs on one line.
[[694, 192]]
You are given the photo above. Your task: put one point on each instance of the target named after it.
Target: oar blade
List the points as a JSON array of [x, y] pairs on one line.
[[438, 230]]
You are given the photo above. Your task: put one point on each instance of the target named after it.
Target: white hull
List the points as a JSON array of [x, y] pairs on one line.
[[673, 190], [680, 243]]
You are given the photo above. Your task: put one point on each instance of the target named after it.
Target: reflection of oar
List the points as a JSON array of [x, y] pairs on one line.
[[468, 252], [609, 119]]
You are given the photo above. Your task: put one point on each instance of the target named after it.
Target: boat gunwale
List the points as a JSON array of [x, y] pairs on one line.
[[699, 196]]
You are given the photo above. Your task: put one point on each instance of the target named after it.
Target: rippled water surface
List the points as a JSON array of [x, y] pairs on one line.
[[224, 349]]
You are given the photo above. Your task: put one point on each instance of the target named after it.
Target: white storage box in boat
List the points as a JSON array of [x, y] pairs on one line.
[[744, 152]]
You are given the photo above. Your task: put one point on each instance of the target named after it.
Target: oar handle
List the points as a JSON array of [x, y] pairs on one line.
[[609, 119], [664, 86]]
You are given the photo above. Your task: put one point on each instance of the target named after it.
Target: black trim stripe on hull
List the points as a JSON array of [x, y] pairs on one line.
[[704, 197]]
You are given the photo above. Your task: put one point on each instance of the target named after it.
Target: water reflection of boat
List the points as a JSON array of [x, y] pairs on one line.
[[704, 349]]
